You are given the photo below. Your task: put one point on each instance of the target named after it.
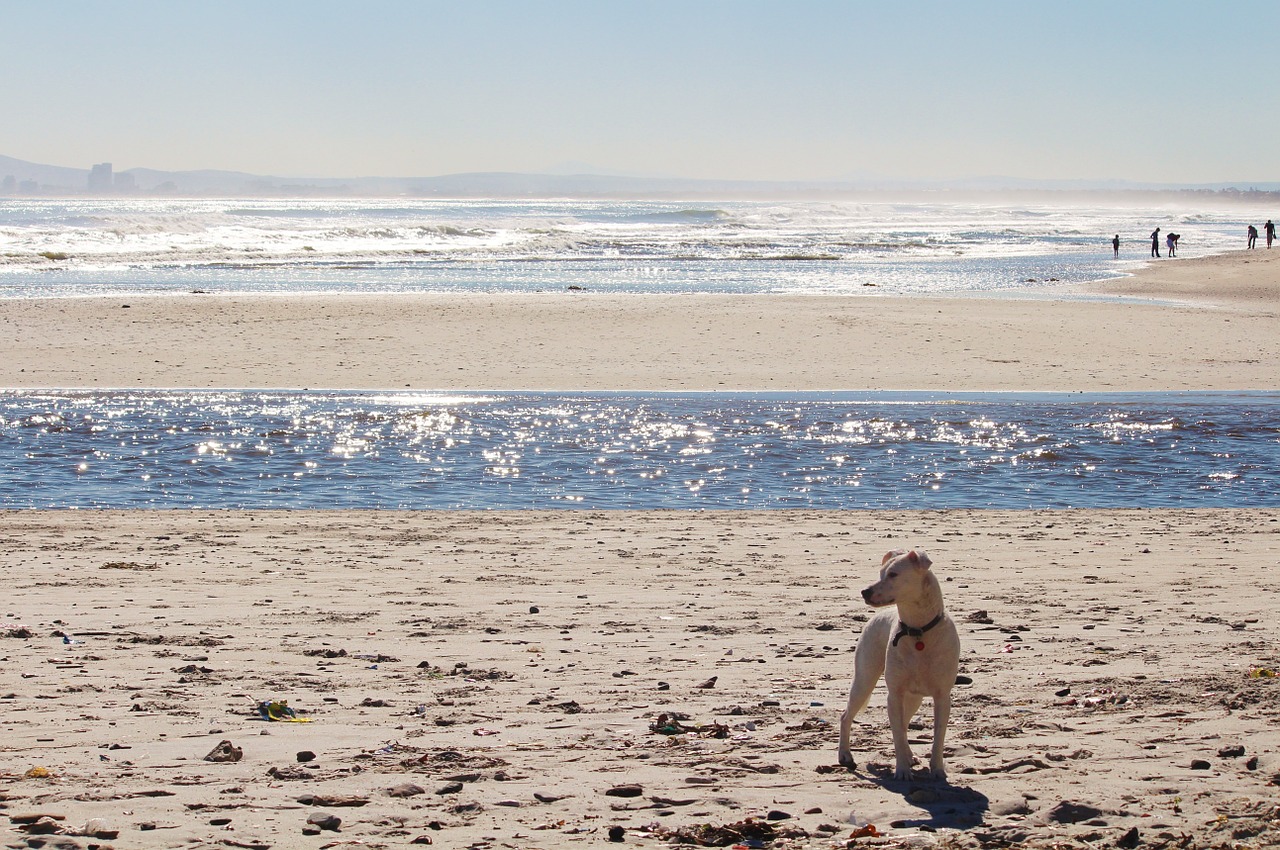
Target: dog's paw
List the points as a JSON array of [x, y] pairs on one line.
[[846, 759]]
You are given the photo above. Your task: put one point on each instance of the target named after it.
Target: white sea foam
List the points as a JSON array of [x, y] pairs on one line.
[[69, 247]]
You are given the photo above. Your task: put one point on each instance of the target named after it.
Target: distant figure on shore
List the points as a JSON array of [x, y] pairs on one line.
[[1155, 242], [1172, 242], [1253, 236], [1168, 243], [1270, 230], [1115, 246]]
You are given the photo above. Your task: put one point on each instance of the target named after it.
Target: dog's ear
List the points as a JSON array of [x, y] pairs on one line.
[[888, 556], [919, 559]]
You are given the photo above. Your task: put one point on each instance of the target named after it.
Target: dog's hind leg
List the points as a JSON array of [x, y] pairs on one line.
[[868, 667], [941, 716]]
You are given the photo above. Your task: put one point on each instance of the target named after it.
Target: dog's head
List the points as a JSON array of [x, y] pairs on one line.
[[903, 575]]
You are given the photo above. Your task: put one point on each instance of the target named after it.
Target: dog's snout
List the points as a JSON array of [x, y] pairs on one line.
[[866, 593]]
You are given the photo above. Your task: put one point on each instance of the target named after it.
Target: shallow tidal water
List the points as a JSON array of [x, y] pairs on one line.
[[411, 450]]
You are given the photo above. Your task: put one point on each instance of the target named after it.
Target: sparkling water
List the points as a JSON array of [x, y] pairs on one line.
[[266, 449]]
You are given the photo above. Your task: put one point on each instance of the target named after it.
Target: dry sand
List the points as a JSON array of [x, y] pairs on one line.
[[1114, 682], [510, 667], [587, 341]]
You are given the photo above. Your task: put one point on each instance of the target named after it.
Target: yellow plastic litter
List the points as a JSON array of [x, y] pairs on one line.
[[38, 773], [278, 711], [1262, 673]]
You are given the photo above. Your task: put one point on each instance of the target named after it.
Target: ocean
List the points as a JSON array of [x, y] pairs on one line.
[[164, 448], [68, 247]]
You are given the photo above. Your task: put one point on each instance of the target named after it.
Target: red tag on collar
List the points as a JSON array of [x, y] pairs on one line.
[[920, 645]]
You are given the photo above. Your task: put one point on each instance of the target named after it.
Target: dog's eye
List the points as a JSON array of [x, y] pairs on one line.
[[893, 575]]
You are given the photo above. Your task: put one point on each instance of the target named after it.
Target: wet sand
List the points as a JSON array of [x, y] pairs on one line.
[[1221, 335]]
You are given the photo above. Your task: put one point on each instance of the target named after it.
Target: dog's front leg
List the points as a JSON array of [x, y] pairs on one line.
[[902, 707], [941, 716]]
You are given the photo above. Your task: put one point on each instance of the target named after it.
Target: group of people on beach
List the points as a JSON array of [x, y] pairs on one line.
[[1253, 234], [1170, 243], [1171, 240]]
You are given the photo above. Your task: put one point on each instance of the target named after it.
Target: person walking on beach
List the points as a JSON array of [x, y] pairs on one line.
[[1270, 230], [1173, 244], [1115, 246], [1155, 242], [1253, 236], [1168, 243]]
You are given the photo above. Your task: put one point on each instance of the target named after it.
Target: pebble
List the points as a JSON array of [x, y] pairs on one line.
[[449, 788], [322, 820], [1069, 812], [625, 791], [306, 755], [406, 789], [225, 752], [616, 834], [1200, 764], [1233, 751]]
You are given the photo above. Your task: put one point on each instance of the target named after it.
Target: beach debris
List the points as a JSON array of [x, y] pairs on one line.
[[332, 800], [1200, 764], [708, 684], [42, 826], [22, 818], [278, 711], [305, 756], [1008, 766], [450, 788], [1232, 751], [39, 773], [1129, 840], [750, 832], [100, 828], [673, 724], [617, 834], [17, 632], [225, 751]]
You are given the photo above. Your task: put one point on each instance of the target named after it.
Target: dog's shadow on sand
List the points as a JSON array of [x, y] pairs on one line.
[[948, 806]]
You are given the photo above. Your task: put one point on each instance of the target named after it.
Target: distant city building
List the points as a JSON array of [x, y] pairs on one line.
[[124, 182], [9, 185], [100, 177], [29, 187]]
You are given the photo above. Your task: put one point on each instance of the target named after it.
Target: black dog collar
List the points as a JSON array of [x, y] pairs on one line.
[[904, 630]]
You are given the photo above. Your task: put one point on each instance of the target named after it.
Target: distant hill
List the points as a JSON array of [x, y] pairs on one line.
[[35, 178]]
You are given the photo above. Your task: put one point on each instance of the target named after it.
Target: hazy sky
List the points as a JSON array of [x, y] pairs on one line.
[[1164, 91]]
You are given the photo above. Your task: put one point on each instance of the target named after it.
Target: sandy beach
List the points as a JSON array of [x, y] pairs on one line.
[[1215, 329], [480, 680]]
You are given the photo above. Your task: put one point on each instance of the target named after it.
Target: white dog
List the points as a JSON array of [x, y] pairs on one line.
[[917, 649]]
